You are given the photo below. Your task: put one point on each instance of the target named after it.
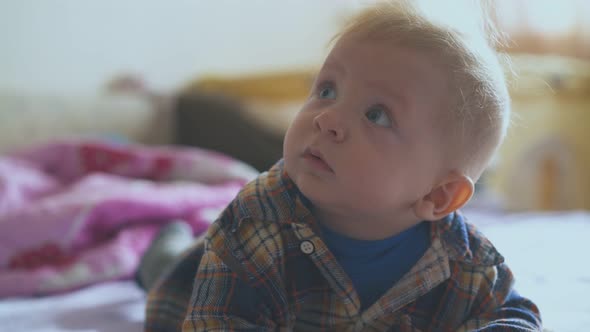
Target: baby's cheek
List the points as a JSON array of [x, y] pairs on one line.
[[370, 196]]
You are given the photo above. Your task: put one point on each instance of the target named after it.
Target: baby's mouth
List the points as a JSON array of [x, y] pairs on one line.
[[315, 157]]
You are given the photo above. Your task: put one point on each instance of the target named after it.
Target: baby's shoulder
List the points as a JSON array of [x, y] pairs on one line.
[[253, 249], [247, 234], [238, 230], [255, 227], [465, 244]]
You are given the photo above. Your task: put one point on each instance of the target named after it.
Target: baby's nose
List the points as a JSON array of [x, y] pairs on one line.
[[331, 124]]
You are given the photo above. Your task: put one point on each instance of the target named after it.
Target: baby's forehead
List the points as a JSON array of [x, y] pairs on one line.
[[389, 65], [385, 52]]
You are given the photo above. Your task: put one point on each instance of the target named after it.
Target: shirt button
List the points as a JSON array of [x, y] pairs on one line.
[[306, 247]]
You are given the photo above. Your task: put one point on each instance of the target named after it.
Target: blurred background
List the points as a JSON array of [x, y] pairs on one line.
[[228, 75]]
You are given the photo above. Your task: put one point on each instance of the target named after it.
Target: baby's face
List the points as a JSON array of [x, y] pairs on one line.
[[364, 143]]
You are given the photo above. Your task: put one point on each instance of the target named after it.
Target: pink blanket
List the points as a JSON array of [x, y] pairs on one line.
[[77, 213]]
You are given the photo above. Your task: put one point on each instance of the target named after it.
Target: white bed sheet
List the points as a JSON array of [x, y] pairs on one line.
[[545, 251], [548, 256], [109, 307]]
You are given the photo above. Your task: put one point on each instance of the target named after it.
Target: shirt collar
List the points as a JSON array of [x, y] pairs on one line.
[[274, 190], [464, 243]]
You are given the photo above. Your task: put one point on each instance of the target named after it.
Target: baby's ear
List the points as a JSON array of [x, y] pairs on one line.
[[448, 196]]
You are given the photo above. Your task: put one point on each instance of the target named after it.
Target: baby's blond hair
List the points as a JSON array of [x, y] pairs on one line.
[[480, 109]]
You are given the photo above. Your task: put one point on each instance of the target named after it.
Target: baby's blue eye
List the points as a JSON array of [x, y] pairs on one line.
[[378, 116], [327, 92]]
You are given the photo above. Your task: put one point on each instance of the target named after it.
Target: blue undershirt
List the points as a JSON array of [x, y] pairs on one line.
[[375, 266]]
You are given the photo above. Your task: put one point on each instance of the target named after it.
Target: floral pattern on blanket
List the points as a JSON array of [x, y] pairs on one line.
[[75, 213]]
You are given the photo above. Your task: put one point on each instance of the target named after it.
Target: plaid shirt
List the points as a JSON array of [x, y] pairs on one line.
[[263, 267]]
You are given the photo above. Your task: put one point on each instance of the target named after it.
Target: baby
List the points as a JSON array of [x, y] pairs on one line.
[[357, 228]]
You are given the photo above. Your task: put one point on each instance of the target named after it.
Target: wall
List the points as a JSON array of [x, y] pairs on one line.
[[75, 46], [544, 161]]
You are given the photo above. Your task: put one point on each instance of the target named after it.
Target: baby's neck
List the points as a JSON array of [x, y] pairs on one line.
[[365, 226]]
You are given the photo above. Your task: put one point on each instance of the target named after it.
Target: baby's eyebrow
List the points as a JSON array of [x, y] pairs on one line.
[[333, 65], [396, 94]]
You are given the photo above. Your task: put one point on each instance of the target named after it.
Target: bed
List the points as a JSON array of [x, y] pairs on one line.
[[545, 252], [543, 249], [112, 306]]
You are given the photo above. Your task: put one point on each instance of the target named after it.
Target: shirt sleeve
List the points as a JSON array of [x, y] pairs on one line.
[[222, 301], [499, 307]]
